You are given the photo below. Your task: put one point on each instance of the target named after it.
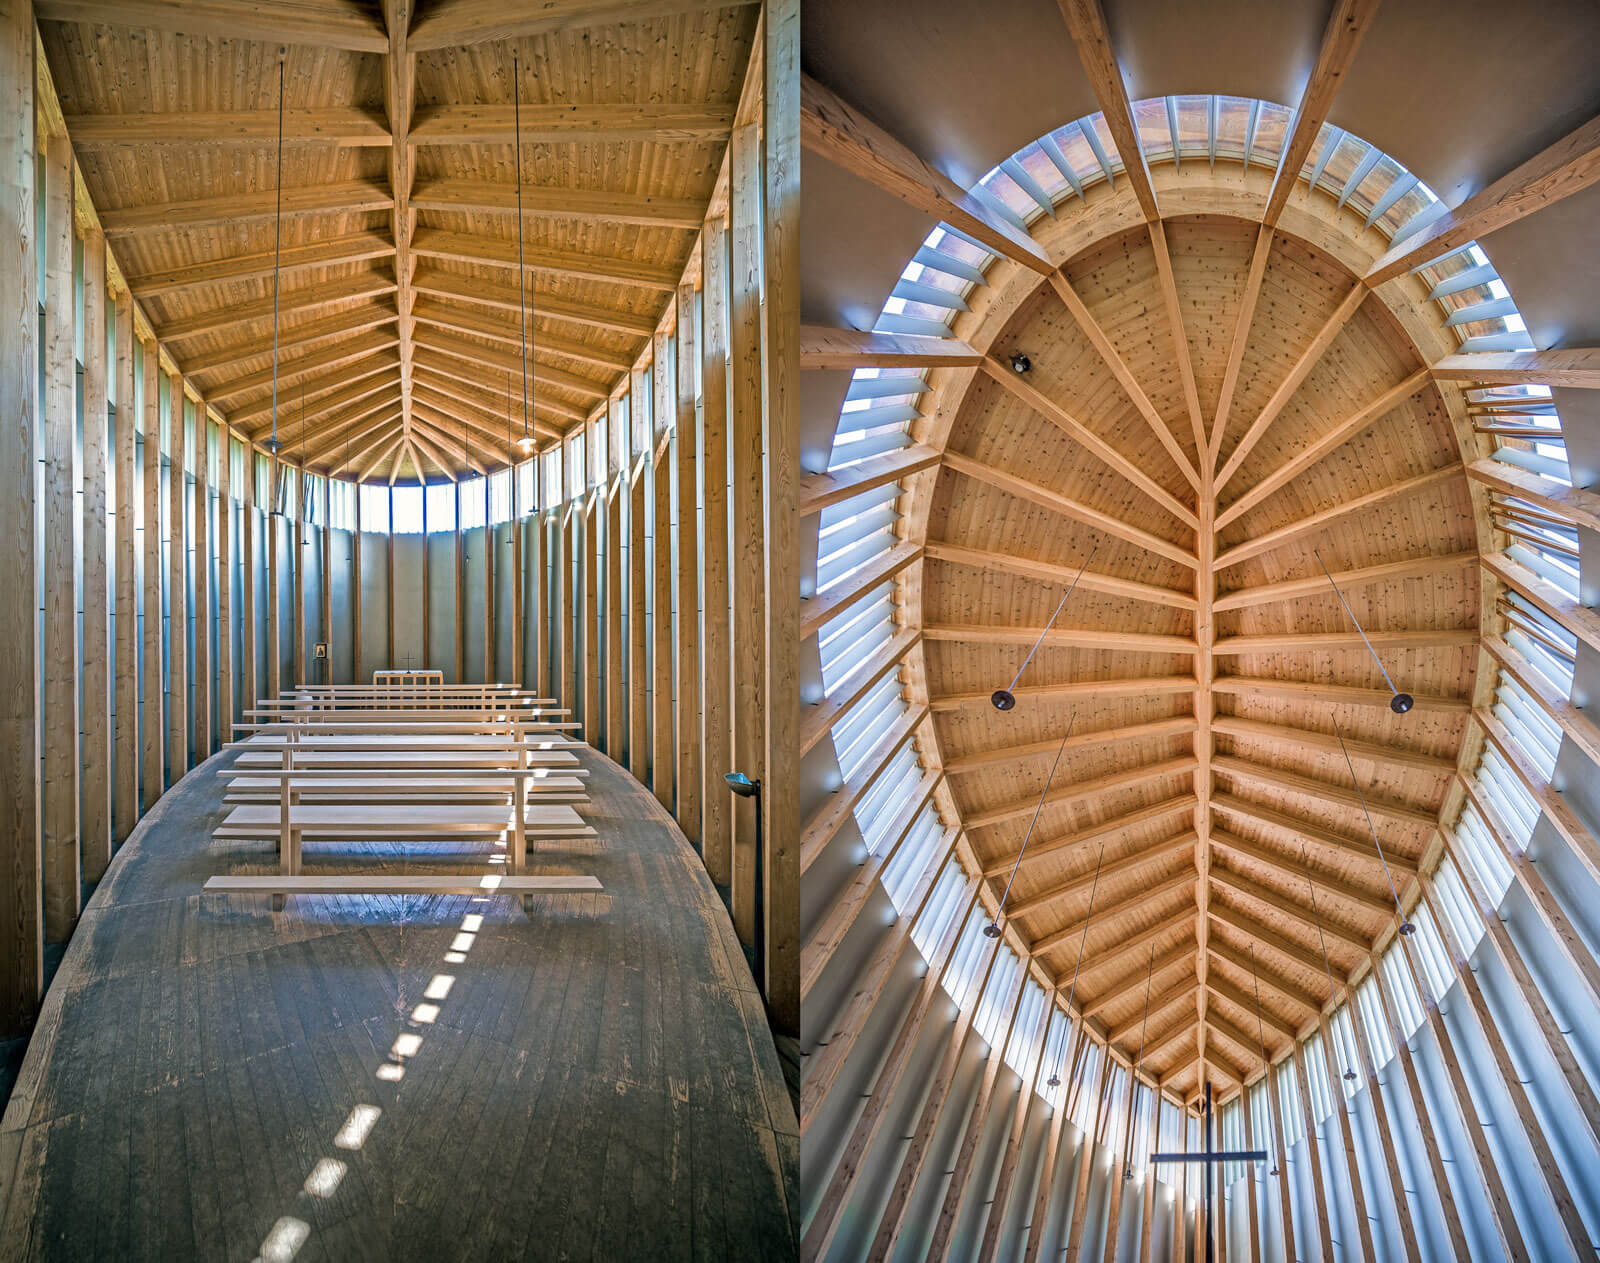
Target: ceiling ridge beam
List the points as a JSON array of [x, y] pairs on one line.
[[1347, 25], [1082, 791], [1105, 523], [1086, 23], [1328, 442], [1316, 521], [1565, 168], [1086, 438], [1106, 349], [1304, 363], [844, 136]]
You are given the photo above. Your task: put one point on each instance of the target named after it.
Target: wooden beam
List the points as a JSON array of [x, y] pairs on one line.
[[58, 626], [1157, 1008], [124, 444], [1040, 847], [484, 197], [290, 372], [1080, 792], [474, 353], [1324, 518], [1084, 882], [1383, 755], [658, 123], [154, 723], [981, 760], [1333, 694], [315, 24], [1573, 720], [1283, 946], [831, 814], [96, 607], [824, 490], [464, 22], [818, 610], [1140, 686], [322, 395], [1069, 935], [1324, 445], [684, 469], [480, 250], [822, 347], [1304, 363], [341, 325], [349, 198], [356, 247], [1575, 368], [471, 320], [715, 734], [177, 588], [1578, 618], [1028, 1099], [1334, 642], [1222, 989], [1347, 25], [1167, 283], [1240, 340], [485, 293], [1045, 497], [216, 319], [1292, 908], [1101, 341], [1566, 167], [1134, 980], [1383, 573], [1577, 835], [1065, 637], [1334, 795], [1263, 976], [1571, 504], [1130, 945], [344, 126], [849, 139], [1056, 574], [1086, 21], [1086, 438]]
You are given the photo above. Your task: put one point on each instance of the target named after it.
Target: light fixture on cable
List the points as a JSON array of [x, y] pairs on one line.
[[1006, 699], [1399, 702]]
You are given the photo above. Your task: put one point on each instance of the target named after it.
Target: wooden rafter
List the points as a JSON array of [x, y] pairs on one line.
[[1363, 576], [1068, 935], [1055, 574], [1085, 882], [1139, 686], [356, 247], [1084, 792], [1040, 847], [349, 198], [322, 25], [503, 297], [822, 347], [1334, 795], [1086, 21], [482, 250], [465, 22], [459, 318], [1154, 730], [345, 126], [1234, 806], [1333, 694], [1576, 368], [483, 197]]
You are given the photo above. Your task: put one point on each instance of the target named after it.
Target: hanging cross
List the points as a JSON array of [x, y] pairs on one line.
[[410, 661], [1210, 1160]]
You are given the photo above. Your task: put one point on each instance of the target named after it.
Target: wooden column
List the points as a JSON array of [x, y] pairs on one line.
[[97, 660], [249, 680], [1147, 1214], [1027, 1095], [535, 602], [62, 863], [568, 523], [748, 560], [638, 628], [297, 575], [663, 709], [1324, 1233], [1254, 1239], [686, 465], [716, 665], [177, 591], [155, 724], [616, 688], [125, 804], [488, 589], [21, 917], [1080, 1196], [225, 536], [1281, 1150], [1358, 1194], [1044, 1186], [590, 654], [327, 579], [780, 308], [517, 671], [1119, 1180], [1397, 1184], [274, 592], [202, 585], [461, 593]]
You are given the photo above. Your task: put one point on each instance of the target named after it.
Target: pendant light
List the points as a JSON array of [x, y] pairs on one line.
[[273, 444], [525, 443]]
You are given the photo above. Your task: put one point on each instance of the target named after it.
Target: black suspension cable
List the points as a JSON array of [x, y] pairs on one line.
[[1005, 699], [1405, 925], [1311, 889], [993, 928], [1400, 702]]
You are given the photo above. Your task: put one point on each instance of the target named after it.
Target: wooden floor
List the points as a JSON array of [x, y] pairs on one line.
[[598, 1082]]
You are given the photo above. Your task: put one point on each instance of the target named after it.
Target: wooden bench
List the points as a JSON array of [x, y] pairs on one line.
[[356, 786], [443, 884]]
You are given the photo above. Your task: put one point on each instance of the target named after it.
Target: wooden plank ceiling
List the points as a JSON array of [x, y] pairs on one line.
[[399, 311]]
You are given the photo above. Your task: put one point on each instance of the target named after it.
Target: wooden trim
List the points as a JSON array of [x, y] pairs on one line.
[[1565, 168], [849, 139]]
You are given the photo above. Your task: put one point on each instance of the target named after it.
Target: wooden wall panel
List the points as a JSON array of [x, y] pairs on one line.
[[21, 919], [96, 603], [126, 794], [716, 670], [62, 864]]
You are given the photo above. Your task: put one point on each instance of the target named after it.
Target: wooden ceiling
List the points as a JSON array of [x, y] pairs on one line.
[[1206, 694], [399, 308]]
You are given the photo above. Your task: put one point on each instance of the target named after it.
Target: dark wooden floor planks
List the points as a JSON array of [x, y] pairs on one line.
[[597, 1082]]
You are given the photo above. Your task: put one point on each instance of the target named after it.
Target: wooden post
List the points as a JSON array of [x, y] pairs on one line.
[[1027, 1094], [1324, 1233], [663, 711], [1147, 1215], [590, 658], [1397, 1184], [638, 628], [327, 579], [297, 575], [1285, 1201], [748, 562], [517, 671], [249, 679], [686, 465], [1254, 1207], [96, 591], [541, 587], [716, 666], [1044, 1189], [177, 589], [568, 521], [202, 585], [1357, 1194], [1080, 1196], [780, 408], [488, 589], [461, 594], [126, 800], [225, 536], [21, 916], [616, 495], [1119, 1180], [155, 724], [62, 864], [274, 592]]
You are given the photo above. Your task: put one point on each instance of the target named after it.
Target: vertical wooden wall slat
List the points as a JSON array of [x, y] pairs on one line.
[[21, 916], [297, 576], [274, 591], [638, 630], [62, 864], [589, 654], [225, 604], [663, 709], [488, 592], [780, 308], [616, 694], [125, 806], [249, 677], [155, 724], [97, 660], [685, 438], [565, 548], [177, 603], [202, 584], [748, 562], [716, 670]]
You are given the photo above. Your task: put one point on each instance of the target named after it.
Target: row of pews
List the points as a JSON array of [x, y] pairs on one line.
[[412, 762]]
